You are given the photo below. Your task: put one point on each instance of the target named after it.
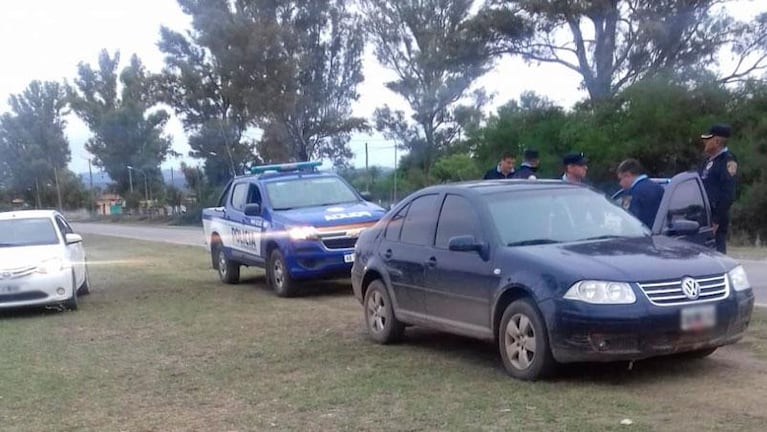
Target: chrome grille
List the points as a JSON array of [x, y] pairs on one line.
[[16, 273], [670, 293]]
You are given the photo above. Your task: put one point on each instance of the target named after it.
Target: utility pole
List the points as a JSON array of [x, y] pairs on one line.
[[58, 187], [367, 170], [37, 192], [395, 174], [93, 198], [130, 179]]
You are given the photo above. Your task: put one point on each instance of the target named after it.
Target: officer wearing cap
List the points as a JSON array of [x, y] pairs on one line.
[[642, 196], [718, 174], [529, 167], [504, 169], [576, 168]]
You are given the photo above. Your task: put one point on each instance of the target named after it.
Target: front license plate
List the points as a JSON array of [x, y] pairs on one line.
[[349, 258], [698, 318], [9, 289]]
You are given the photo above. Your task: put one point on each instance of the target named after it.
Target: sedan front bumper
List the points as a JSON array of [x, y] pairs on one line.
[[581, 332], [37, 289]]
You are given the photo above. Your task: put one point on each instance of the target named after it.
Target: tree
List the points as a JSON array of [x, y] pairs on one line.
[[207, 96], [436, 52], [35, 151], [613, 44], [127, 128], [296, 65]]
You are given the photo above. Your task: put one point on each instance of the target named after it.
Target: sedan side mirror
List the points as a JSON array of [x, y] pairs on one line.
[[683, 227], [465, 243], [253, 209], [73, 239]]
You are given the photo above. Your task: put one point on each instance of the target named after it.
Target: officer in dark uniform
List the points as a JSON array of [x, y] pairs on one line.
[[575, 167], [642, 196], [718, 174], [529, 167], [504, 170]]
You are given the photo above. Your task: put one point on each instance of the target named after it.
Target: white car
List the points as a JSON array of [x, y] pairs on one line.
[[42, 261]]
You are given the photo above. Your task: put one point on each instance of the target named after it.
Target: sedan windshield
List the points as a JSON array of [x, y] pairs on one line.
[[559, 216], [27, 232], [309, 192]]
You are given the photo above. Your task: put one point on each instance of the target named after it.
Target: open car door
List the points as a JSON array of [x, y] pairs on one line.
[[684, 212]]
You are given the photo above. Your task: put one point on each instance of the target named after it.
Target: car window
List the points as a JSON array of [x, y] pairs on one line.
[[64, 227], [224, 195], [254, 195], [418, 225], [27, 232], [309, 192], [558, 216], [240, 196], [394, 228], [687, 203], [457, 217]]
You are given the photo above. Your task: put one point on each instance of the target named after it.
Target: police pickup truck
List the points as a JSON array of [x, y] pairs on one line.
[[292, 220]]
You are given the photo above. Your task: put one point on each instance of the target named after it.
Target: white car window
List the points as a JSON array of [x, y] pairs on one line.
[[27, 232]]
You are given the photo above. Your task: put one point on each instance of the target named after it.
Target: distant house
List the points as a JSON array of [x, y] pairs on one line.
[[109, 204]]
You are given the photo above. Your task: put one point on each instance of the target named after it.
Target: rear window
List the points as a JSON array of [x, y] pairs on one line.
[[27, 232]]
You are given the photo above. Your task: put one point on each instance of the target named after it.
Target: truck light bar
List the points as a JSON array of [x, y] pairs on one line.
[[297, 166]]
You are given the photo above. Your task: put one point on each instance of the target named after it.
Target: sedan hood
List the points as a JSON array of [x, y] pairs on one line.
[[630, 259], [26, 256]]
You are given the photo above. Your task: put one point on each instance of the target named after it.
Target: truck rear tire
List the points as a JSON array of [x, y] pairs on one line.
[[278, 276], [228, 270]]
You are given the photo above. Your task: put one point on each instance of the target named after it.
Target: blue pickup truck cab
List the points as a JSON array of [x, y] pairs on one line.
[[292, 220]]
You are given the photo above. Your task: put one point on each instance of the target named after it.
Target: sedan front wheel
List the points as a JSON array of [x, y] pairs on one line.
[[524, 343]]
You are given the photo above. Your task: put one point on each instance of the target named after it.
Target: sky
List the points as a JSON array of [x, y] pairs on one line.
[[46, 39]]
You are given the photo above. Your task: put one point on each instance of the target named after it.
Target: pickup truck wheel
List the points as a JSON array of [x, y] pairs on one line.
[[228, 271], [383, 327], [278, 275], [524, 343]]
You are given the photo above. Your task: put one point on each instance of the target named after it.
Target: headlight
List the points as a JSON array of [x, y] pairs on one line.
[[738, 279], [302, 233], [52, 265], [601, 292]]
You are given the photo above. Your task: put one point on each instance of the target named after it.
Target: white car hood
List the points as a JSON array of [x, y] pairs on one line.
[[27, 256]]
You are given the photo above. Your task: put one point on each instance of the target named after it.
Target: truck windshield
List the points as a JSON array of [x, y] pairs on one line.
[[559, 216], [309, 192], [27, 232]]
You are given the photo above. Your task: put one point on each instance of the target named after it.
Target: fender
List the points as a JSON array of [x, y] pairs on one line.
[[536, 286], [375, 263]]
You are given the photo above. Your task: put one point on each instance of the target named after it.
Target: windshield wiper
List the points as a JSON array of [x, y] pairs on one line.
[[603, 237], [533, 242]]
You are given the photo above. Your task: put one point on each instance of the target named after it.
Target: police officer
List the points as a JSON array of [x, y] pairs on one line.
[[718, 174], [529, 167], [504, 170], [642, 195], [576, 167]]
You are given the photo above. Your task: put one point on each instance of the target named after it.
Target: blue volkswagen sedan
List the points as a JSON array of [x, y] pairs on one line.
[[551, 272]]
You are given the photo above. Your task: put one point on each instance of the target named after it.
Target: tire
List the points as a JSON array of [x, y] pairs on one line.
[[228, 270], [524, 342], [71, 303], [279, 277], [382, 326], [85, 288]]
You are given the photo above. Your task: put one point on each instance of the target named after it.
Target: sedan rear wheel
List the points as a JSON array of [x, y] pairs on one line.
[[383, 327]]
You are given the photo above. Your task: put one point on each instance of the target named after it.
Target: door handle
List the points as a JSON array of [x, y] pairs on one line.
[[431, 262], [388, 254]]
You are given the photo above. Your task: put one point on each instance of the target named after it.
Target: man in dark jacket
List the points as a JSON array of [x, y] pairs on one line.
[[718, 174], [642, 195], [529, 167], [504, 170]]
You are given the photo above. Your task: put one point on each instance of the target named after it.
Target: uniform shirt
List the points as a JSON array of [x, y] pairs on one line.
[[495, 174], [525, 171], [644, 199], [718, 174]]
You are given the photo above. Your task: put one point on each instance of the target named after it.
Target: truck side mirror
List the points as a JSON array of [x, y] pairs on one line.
[[253, 209]]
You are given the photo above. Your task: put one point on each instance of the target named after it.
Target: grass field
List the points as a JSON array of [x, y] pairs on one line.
[[160, 345]]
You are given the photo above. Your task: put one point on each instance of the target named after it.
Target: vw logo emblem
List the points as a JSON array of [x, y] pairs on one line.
[[691, 288]]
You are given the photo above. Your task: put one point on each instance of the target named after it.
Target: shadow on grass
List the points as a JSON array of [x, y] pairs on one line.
[[485, 354], [307, 289], [26, 312]]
